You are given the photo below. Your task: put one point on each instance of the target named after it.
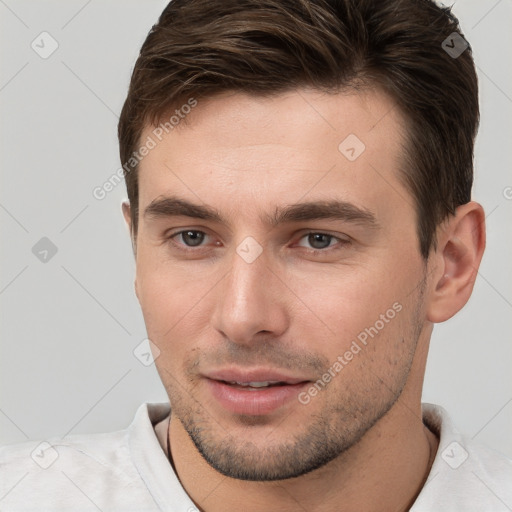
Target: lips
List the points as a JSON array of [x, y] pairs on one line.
[[253, 392]]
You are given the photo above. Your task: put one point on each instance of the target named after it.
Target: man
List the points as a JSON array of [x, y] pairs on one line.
[[299, 177]]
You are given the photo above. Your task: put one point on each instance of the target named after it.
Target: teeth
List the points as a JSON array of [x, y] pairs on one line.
[[256, 384]]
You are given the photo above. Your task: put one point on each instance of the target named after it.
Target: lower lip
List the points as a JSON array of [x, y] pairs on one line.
[[254, 401]]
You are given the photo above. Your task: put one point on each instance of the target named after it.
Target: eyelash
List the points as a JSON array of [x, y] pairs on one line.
[[342, 242]]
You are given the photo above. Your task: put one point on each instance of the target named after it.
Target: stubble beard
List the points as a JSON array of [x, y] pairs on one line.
[[322, 437]]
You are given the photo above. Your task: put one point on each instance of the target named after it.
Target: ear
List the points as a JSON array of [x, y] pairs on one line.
[[127, 213], [460, 247]]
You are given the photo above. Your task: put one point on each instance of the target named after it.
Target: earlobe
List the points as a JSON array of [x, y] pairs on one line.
[[461, 244]]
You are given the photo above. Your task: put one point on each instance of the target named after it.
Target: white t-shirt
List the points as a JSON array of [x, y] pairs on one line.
[[128, 470]]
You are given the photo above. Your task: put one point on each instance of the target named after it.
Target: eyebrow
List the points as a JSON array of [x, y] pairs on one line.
[[162, 207]]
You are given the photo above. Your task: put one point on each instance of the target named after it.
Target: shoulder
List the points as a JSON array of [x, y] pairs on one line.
[[466, 475], [77, 472]]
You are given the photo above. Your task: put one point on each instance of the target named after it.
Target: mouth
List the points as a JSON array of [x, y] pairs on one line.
[[253, 386], [255, 393]]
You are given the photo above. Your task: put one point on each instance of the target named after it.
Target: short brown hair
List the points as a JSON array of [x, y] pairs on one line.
[[200, 48]]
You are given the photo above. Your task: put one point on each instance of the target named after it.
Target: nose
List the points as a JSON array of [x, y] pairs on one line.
[[251, 302]]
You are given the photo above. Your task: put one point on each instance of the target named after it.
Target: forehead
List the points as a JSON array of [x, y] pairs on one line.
[[250, 153]]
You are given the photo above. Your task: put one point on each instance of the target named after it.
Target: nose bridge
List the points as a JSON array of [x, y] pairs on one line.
[[249, 302], [251, 276]]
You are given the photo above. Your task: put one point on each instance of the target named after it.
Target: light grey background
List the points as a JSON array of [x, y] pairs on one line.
[[70, 325]]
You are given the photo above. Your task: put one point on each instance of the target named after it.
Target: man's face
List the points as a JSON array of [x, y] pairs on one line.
[[321, 314]]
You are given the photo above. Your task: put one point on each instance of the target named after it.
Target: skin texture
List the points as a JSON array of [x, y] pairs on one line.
[[360, 442]]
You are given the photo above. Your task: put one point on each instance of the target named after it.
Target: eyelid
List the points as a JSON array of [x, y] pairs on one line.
[[339, 236]]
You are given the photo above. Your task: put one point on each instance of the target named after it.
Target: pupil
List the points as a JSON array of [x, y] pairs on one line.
[[315, 237], [194, 236]]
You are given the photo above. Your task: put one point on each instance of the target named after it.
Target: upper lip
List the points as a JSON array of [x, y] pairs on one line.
[[253, 375]]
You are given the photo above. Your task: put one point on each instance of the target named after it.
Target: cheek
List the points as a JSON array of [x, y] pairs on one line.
[[372, 347], [169, 307], [172, 298], [373, 319], [350, 301]]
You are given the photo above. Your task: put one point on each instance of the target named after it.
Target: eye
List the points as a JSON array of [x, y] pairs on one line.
[[189, 237], [320, 241]]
